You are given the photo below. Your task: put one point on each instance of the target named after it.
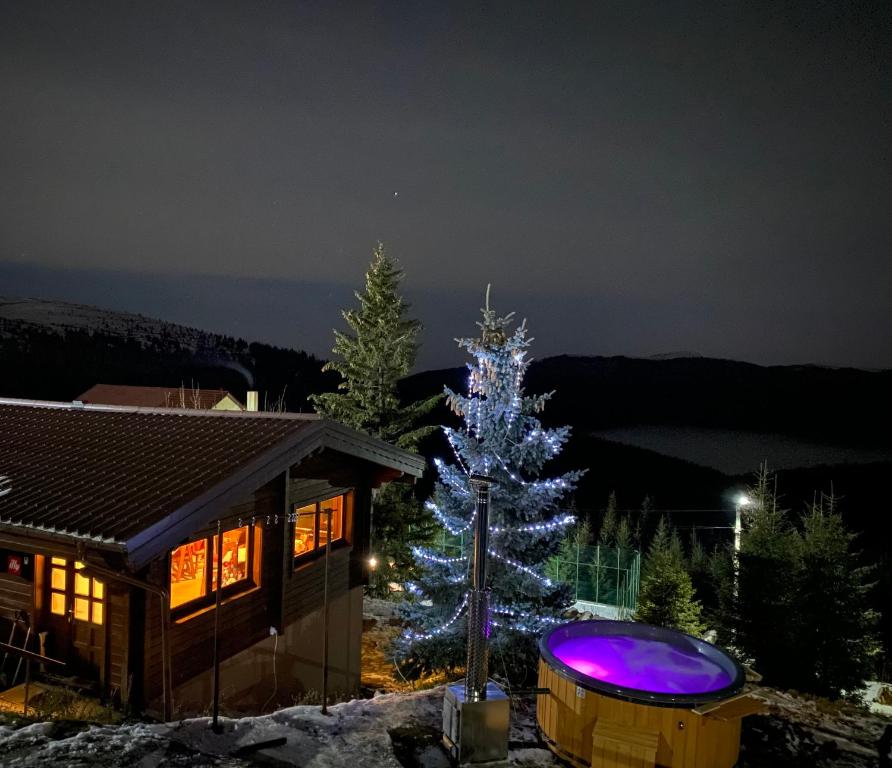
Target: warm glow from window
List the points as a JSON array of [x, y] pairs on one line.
[[58, 585], [193, 566], [235, 557], [336, 506], [305, 530], [311, 522], [86, 602], [188, 577], [57, 603], [58, 579]]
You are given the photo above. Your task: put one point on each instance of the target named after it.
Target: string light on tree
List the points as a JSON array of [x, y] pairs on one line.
[[501, 437]]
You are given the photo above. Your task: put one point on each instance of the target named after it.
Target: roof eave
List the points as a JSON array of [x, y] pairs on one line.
[[320, 433]]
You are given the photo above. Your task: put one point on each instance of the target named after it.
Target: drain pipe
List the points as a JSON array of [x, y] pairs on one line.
[[166, 678]]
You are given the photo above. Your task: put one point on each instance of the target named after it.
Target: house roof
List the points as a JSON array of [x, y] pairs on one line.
[[139, 480], [154, 397]]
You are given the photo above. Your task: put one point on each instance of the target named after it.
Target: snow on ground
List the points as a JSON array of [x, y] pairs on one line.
[[388, 731]]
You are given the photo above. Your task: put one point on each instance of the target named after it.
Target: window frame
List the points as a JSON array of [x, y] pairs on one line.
[[318, 551], [208, 599]]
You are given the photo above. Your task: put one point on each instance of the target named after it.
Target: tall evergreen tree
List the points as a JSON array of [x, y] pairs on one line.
[[766, 584], [835, 628], [609, 523], [501, 437], [379, 350], [371, 360], [666, 596]]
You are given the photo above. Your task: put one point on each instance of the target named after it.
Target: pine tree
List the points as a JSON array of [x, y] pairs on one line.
[[767, 569], [666, 597], [380, 350], [607, 534], [835, 628], [371, 360], [501, 437]]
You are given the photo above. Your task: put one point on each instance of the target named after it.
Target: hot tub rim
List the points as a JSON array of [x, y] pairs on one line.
[[637, 695]]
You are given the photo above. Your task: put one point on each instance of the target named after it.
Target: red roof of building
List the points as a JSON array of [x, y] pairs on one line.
[[136, 479], [154, 397]]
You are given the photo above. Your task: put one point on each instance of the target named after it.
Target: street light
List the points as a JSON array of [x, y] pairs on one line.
[[740, 502]]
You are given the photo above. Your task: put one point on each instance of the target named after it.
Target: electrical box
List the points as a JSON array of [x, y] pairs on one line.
[[476, 731]]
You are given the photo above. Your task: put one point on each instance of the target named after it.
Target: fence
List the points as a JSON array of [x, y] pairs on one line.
[[598, 574], [607, 576]]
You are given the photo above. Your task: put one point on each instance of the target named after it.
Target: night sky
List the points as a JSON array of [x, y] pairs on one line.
[[634, 178]]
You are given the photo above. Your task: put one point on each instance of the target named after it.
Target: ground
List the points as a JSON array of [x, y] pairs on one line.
[[402, 730]]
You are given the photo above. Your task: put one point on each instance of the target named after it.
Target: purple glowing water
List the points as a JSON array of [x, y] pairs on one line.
[[642, 664]]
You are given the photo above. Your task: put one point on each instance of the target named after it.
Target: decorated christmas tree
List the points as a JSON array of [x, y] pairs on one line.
[[501, 438]]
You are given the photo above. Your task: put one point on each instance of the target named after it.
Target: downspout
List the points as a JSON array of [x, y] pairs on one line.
[[166, 677]]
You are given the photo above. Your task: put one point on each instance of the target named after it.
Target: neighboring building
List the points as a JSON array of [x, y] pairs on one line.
[[161, 397], [109, 521]]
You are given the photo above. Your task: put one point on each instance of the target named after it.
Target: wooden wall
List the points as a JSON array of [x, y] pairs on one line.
[[568, 717], [285, 594]]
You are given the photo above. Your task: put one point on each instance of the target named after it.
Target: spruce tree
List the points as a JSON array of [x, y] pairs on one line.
[[371, 360], [379, 350], [834, 626], [609, 523], [666, 596], [501, 437], [766, 585]]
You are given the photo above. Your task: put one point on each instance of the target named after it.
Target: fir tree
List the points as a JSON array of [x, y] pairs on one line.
[[371, 360], [835, 628], [666, 597], [607, 534], [767, 570], [380, 350], [501, 437]]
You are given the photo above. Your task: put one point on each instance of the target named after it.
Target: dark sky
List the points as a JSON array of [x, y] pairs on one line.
[[633, 178]]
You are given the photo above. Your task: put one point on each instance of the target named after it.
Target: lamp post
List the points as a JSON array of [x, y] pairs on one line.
[[740, 502]]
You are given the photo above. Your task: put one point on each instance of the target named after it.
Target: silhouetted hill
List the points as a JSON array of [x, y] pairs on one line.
[[52, 350], [828, 404]]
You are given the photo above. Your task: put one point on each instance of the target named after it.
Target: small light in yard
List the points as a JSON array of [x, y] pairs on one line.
[[373, 562], [743, 500]]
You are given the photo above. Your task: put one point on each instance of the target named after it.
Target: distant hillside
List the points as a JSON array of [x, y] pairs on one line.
[[55, 350], [595, 393]]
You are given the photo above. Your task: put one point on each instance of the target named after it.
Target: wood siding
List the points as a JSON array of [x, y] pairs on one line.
[[285, 593], [117, 612], [16, 594], [569, 718]]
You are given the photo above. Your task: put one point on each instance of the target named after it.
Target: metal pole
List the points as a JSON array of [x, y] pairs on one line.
[[597, 572], [164, 595], [325, 617], [215, 726], [27, 687], [477, 668], [738, 528]]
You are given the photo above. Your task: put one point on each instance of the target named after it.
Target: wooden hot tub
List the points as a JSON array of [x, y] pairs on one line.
[[629, 694]]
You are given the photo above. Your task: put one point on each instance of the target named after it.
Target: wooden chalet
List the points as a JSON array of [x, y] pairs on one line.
[[115, 522]]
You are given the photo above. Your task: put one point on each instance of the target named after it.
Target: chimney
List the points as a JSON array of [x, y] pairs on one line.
[[251, 400]]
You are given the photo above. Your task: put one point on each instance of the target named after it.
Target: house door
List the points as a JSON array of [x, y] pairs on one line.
[[76, 617]]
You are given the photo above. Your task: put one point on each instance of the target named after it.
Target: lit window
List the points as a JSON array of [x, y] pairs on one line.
[[336, 506], [193, 573], [88, 597], [311, 524], [235, 557], [305, 530], [188, 572], [86, 600], [58, 586]]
